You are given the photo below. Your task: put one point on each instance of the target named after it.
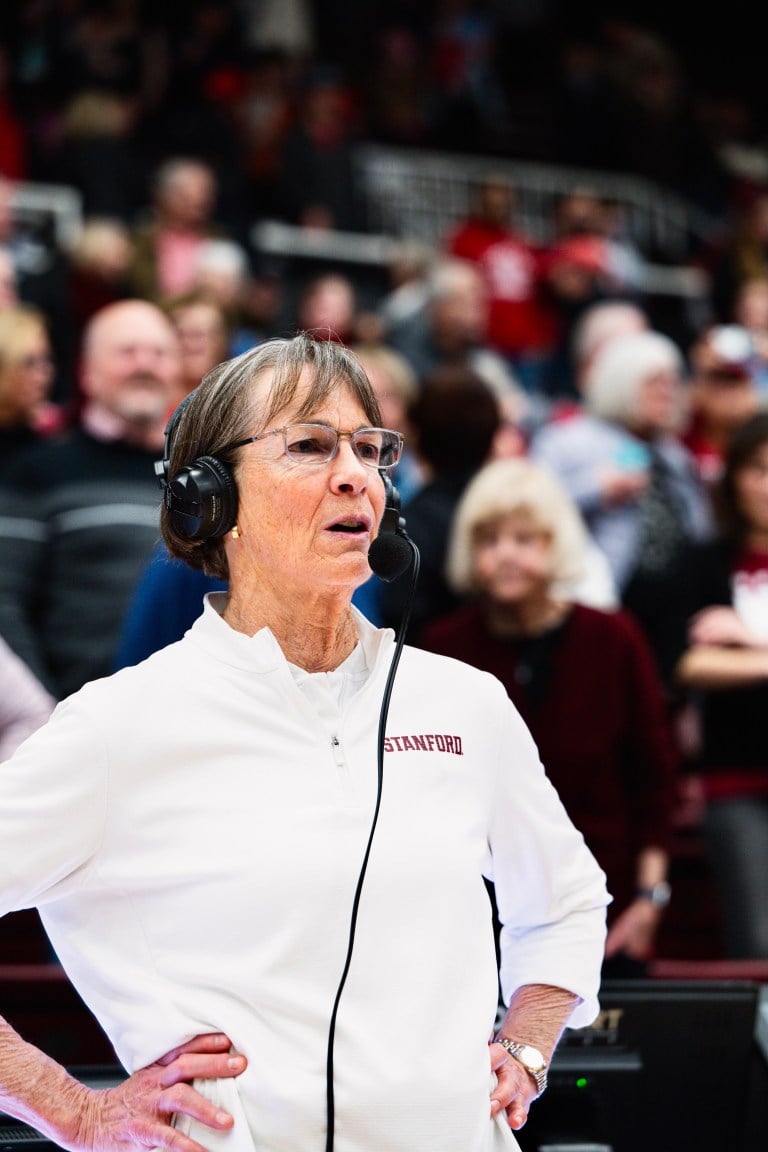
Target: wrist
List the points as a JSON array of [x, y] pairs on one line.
[[658, 894], [529, 1057]]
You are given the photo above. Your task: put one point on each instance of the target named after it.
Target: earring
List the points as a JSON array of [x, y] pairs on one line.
[[235, 533]]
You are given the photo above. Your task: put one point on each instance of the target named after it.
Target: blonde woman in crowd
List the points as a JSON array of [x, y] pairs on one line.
[[27, 373], [521, 556]]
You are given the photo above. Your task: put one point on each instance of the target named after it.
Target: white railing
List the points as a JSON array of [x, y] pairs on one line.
[[421, 194]]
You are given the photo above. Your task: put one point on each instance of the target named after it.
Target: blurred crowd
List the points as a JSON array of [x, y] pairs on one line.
[[586, 473]]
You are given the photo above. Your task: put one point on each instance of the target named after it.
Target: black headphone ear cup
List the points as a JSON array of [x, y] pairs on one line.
[[202, 499]]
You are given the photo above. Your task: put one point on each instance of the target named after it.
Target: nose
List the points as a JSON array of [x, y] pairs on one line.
[[348, 473]]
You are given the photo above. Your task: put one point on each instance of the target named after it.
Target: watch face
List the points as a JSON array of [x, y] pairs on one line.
[[531, 1057]]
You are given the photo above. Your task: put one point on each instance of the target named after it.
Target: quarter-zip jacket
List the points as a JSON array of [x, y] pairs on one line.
[[193, 834]]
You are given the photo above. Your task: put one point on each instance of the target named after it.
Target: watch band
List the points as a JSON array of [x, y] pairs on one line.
[[530, 1058], [658, 894]]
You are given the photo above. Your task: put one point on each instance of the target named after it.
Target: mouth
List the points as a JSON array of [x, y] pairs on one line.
[[351, 526]]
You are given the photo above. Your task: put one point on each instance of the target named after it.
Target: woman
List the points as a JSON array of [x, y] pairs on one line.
[[218, 858], [624, 464], [27, 373], [724, 666], [518, 551]]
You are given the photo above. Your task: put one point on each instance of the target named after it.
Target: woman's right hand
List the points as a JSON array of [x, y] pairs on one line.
[[138, 1113]]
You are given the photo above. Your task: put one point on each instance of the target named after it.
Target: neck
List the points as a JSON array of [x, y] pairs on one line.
[[317, 640], [530, 617]]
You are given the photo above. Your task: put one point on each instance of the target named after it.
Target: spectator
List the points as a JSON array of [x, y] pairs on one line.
[[455, 419], [741, 254], [222, 269], [396, 388], [518, 555], [99, 261], [633, 479], [316, 182], [723, 392], [68, 562], [597, 324], [181, 219], [750, 311], [451, 326], [202, 325], [521, 325], [327, 307], [96, 154], [26, 378], [724, 665], [24, 702]]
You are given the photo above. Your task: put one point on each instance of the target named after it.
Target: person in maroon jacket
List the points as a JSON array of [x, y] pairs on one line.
[[583, 679]]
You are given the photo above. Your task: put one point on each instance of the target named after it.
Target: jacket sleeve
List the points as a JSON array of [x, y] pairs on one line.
[[52, 811]]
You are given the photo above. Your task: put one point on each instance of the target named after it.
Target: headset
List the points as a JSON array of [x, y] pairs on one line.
[[201, 500]]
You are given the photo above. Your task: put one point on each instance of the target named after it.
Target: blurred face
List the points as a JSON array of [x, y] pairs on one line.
[[462, 317], [132, 364], [330, 305], [391, 402], [659, 402], [751, 308], [724, 398], [189, 198], [306, 527], [751, 487], [512, 558], [203, 339], [32, 374]]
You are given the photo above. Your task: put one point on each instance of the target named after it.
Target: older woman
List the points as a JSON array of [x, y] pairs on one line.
[[634, 481], [259, 834], [519, 552]]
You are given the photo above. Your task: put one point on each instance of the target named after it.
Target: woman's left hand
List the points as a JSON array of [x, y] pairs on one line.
[[515, 1090]]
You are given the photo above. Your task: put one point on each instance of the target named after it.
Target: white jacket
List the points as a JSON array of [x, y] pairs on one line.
[[193, 832]]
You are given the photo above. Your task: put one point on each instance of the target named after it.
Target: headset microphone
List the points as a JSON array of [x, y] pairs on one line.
[[392, 552]]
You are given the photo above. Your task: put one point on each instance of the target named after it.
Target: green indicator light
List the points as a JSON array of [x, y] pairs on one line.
[[582, 1082]]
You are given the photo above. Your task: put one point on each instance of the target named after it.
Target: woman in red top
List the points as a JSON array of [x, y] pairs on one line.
[[583, 679]]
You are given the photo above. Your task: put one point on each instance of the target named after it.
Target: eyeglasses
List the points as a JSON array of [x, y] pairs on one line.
[[319, 443]]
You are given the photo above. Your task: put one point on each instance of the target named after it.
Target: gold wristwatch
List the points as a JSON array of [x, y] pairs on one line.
[[530, 1058]]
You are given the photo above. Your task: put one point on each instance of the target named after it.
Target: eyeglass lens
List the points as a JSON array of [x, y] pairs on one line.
[[376, 447]]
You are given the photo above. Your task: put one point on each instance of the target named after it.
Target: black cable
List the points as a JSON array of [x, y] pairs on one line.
[[330, 1105]]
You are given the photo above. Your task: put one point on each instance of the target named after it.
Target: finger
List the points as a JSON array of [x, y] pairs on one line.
[[517, 1115], [206, 1042], [186, 1100], [177, 1141], [505, 1090], [195, 1066]]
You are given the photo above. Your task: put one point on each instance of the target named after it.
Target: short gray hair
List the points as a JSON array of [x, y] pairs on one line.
[[505, 487], [613, 381]]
